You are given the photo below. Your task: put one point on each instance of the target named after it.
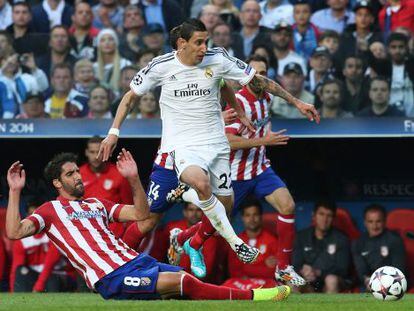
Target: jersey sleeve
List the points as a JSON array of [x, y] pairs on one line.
[[39, 218], [146, 79], [235, 69], [113, 209]]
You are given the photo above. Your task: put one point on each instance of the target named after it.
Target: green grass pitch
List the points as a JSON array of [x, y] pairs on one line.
[[92, 302]]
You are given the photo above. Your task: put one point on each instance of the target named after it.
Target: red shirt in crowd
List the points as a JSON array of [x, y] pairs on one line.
[[109, 185], [210, 252], [404, 17], [261, 272], [3, 258]]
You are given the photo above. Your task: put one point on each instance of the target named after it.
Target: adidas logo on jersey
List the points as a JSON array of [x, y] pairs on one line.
[[173, 78]]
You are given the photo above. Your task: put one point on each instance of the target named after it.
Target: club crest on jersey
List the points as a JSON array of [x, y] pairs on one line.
[[384, 251], [108, 184], [208, 73], [331, 249]]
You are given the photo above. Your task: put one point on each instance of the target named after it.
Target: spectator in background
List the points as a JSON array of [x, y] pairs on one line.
[[84, 77], [320, 69], [192, 215], [396, 13], [25, 40], [153, 38], [64, 102], [293, 81], [130, 41], [16, 85], [322, 253], [337, 17], [357, 39], [109, 62], [275, 12], [108, 14], [6, 46], [5, 14], [265, 51], [99, 103], [29, 256], [144, 57], [400, 68], [331, 100], [167, 13], [210, 16], [355, 85], [251, 33], [261, 272], [330, 40], [221, 37], [127, 74], [379, 95], [148, 107], [82, 32], [59, 50], [377, 247], [229, 13], [33, 108], [305, 34], [281, 38], [378, 51], [407, 32], [51, 13]]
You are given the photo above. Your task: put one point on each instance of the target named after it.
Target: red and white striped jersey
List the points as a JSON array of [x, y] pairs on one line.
[[79, 229], [248, 163], [164, 159]]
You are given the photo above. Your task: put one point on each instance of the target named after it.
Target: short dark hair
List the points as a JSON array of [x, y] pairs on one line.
[[54, 168], [22, 3], [397, 36], [332, 81], [222, 24], [249, 202], [94, 140], [59, 26], [257, 58], [144, 51], [380, 78], [175, 34], [375, 208], [328, 34], [129, 67], [189, 27], [325, 203], [61, 66]]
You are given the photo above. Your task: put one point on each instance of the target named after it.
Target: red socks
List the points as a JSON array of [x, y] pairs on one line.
[[197, 290], [286, 235], [203, 233], [133, 236], [188, 233]]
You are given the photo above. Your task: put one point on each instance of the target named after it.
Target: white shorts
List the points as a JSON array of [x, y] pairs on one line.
[[214, 159]]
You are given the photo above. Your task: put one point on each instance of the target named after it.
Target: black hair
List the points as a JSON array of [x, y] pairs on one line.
[[175, 34], [257, 58], [22, 3], [249, 202], [189, 27], [332, 81], [94, 140], [53, 169], [144, 51], [397, 36], [375, 208], [129, 67], [272, 59], [325, 203], [328, 34], [380, 78]]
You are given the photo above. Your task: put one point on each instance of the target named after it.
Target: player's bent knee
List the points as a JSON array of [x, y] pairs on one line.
[[287, 207], [203, 188]]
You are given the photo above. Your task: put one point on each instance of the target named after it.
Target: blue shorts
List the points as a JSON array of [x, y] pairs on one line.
[[261, 186], [136, 280], [162, 181]]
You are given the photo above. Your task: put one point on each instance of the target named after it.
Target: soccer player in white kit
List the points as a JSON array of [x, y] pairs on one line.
[[193, 130]]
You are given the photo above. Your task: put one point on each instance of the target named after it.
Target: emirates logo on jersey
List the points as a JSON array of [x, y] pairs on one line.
[[78, 215], [192, 90]]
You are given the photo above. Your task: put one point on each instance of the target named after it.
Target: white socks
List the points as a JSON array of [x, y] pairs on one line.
[[191, 196]]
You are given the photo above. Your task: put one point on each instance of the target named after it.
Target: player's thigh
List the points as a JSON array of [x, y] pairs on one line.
[[161, 182], [271, 187], [219, 170], [282, 200]]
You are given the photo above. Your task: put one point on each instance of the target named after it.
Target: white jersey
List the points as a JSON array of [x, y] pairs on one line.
[[190, 96]]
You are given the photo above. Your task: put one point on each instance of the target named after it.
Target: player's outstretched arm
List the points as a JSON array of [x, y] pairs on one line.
[[109, 143], [260, 82], [271, 139], [128, 168], [15, 228]]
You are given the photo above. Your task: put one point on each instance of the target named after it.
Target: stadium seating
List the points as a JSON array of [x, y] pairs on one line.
[[343, 222], [402, 221]]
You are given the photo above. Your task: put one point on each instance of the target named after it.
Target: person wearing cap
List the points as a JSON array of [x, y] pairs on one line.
[[33, 108], [107, 14], [320, 64], [281, 38], [336, 17], [109, 62], [331, 100], [293, 81], [360, 36], [305, 34], [153, 37], [275, 11], [396, 13]]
